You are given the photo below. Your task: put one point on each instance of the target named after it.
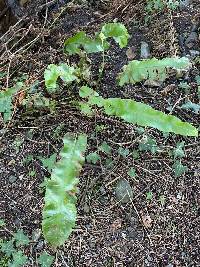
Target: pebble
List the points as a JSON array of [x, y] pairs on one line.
[[145, 50], [153, 83], [36, 235], [194, 53], [86, 208], [123, 191], [40, 245], [184, 4], [12, 179]]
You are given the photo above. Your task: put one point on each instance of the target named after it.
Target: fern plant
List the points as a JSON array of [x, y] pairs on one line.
[[136, 113], [59, 212], [99, 43]]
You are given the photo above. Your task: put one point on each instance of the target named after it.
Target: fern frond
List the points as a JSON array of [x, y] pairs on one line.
[[151, 69], [59, 212], [138, 113]]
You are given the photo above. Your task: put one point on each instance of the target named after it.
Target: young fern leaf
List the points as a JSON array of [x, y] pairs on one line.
[[138, 113], [80, 40], [117, 31], [59, 212], [151, 69], [144, 115], [53, 72]]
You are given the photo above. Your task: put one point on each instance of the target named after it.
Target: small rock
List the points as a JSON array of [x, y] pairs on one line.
[[86, 208], [17, 222], [12, 179], [102, 190], [123, 191], [184, 4], [153, 83], [145, 50], [40, 245], [36, 235], [130, 53], [194, 53], [191, 40]]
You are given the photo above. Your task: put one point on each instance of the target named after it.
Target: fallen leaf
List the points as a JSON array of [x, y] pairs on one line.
[[147, 221]]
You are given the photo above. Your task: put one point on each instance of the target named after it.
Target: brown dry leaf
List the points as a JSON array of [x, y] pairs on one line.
[[147, 221], [169, 88], [21, 97], [117, 224], [130, 53]]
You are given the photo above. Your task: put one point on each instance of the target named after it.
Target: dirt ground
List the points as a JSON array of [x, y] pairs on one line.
[[161, 231]]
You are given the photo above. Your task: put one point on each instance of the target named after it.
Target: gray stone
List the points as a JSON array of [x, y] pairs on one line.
[[145, 50], [194, 53], [184, 4], [86, 208], [123, 191], [40, 245], [36, 235], [12, 179], [152, 83]]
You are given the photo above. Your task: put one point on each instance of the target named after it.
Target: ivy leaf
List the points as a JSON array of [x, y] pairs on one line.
[[19, 259], [6, 97], [104, 147], [7, 248], [151, 69], [124, 152], [53, 72], [178, 168], [132, 173], [118, 31], [45, 260], [197, 78], [59, 212], [20, 238], [48, 163], [93, 157], [149, 195], [2, 223], [178, 152], [191, 106], [148, 144]]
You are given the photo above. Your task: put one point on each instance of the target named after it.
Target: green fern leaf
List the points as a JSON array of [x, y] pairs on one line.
[[118, 31], [144, 115], [151, 69], [53, 72], [80, 40], [141, 114], [59, 213]]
